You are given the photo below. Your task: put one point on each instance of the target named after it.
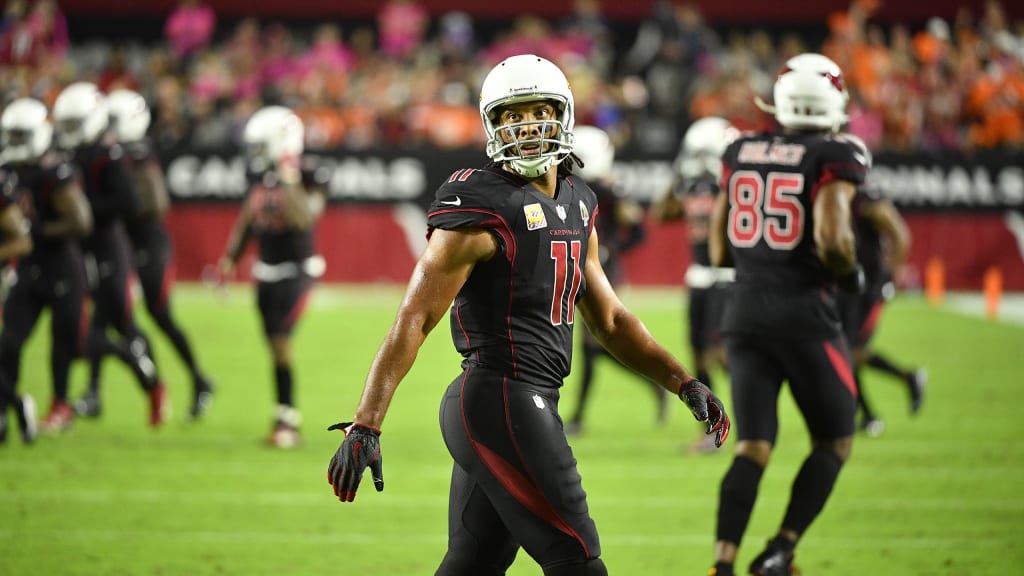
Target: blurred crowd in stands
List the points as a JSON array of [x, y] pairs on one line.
[[410, 78]]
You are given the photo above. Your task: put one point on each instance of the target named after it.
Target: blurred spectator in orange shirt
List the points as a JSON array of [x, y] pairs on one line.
[[189, 28]]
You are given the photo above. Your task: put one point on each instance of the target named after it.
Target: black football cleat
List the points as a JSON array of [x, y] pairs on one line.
[[775, 560], [89, 406], [873, 427], [202, 398], [916, 381]]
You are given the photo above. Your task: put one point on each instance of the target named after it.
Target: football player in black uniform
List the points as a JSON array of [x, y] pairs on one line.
[[51, 276], [153, 250], [81, 117], [883, 241], [620, 228], [513, 245], [783, 217], [283, 205], [692, 196]]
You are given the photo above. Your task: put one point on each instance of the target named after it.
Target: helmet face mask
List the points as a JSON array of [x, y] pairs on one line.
[[531, 146], [25, 133], [810, 94]]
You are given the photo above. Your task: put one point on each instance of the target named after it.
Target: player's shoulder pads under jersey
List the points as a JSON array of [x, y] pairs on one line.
[[472, 198], [841, 158], [58, 170]]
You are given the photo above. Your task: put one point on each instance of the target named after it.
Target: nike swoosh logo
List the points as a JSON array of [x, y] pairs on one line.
[[456, 202]]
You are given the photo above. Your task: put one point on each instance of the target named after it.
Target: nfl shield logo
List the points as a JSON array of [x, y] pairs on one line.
[[560, 210], [535, 217]]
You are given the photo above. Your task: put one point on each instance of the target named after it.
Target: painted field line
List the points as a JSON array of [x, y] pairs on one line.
[[439, 538], [292, 499]]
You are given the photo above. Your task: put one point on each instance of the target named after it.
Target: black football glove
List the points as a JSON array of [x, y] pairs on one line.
[[706, 408], [852, 281], [361, 448]]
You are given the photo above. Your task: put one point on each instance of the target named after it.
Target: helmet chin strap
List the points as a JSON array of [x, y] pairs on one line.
[[532, 167]]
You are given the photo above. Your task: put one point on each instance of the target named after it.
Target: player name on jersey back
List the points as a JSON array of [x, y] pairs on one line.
[[761, 152]]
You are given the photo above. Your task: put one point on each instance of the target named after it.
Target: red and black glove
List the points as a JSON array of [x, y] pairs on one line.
[[361, 448], [706, 408]]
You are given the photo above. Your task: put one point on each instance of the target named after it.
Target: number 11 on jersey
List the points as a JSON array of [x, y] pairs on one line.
[[561, 253]]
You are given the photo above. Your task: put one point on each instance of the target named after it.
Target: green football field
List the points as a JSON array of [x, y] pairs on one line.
[[940, 494]]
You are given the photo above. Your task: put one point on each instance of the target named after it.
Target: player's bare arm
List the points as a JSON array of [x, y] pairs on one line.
[[14, 230], [833, 233], [439, 275], [74, 216], [893, 227], [237, 239], [718, 243], [669, 206], [153, 197], [302, 207], [621, 332]]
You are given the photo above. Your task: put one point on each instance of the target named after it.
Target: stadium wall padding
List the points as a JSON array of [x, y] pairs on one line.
[[379, 243], [965, 211]]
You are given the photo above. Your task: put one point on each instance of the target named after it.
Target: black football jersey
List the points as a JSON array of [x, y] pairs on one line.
[[616, 237], [278, 242], [699, 202], [108, 187], [870, 252], [770, 181], [32, 187], [516, 311], [143, 228]]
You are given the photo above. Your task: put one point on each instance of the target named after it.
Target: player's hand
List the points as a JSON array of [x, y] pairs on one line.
[[226, 268], [706, 408], [361, 448], [852, 281]]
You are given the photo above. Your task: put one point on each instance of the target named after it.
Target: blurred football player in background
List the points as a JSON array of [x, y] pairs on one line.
[[698, 173], [619, 228], [513, 245], [281, 209], [50, 276], [152, 246], [81, 118], [883, 241], [783, 218]]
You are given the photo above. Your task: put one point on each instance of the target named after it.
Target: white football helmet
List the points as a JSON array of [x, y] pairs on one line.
[[593, 146], [810, 94], [702, 147], [129, 115], [25, 133], [80, 115], [525, 78], [272, 134]]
